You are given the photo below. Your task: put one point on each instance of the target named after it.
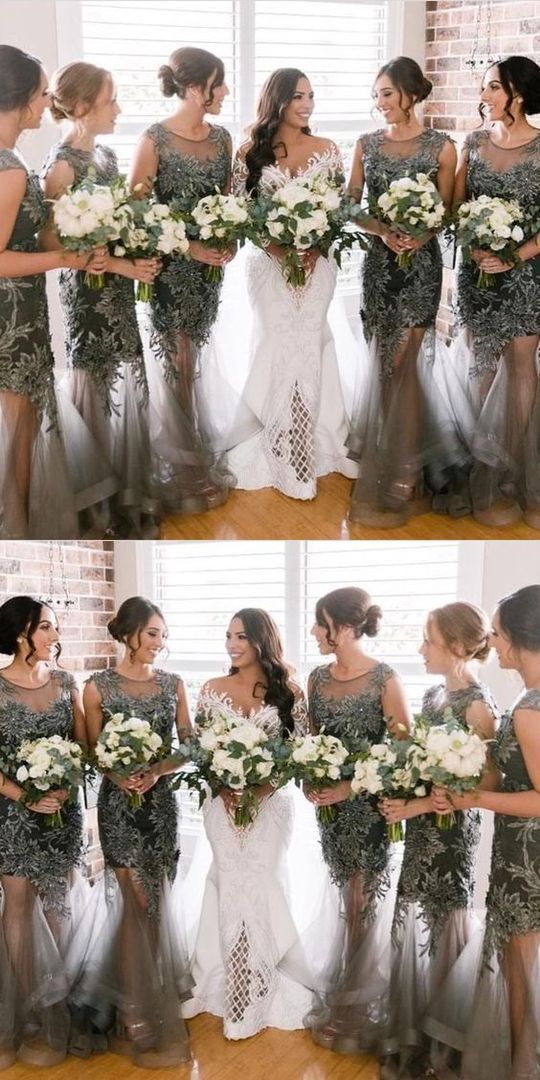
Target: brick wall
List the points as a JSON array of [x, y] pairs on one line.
[[453, 104], [89, 567], [24, 568]]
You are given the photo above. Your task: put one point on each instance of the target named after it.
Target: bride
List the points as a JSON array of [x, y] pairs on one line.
[[293, 387], [246, 923]]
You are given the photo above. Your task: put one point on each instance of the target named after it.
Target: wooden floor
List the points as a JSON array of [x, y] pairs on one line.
[[268, 515], [272, 1055]]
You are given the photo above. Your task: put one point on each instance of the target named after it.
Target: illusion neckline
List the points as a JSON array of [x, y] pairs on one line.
[[21, 687]]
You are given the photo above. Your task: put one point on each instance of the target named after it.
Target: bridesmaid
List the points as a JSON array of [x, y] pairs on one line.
[[502, 324], [39, 488], [188, 158], [134, 966], [399, 306], [503, 1022], [37, 862], [107, 379], [352, 697], [432, 920]]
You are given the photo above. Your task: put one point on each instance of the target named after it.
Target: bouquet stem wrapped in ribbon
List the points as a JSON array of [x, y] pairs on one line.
[[49, 764]]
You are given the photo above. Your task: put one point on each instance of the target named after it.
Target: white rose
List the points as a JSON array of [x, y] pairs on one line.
[[22, 773]]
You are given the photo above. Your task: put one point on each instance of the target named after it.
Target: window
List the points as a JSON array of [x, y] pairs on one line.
[[339, 43], [200, 584]]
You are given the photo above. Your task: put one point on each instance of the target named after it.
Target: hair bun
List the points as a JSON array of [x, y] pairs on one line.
[[427, 87], [168, 82], [372, 621], [112, 627], [482, 652], [56, 110]]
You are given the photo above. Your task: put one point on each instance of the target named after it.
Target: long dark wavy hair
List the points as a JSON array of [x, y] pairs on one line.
[[263, 634], [277, 92]]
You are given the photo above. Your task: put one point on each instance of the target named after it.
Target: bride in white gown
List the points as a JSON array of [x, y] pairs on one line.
[[247, 923], [293, 388]]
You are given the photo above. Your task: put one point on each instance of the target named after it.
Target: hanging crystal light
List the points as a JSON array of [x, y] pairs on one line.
[[58, 601]]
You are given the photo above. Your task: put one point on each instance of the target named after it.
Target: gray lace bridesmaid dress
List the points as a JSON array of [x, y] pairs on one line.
[[356, 849], [433, 913], [52, 473], [400, 433], [107, 380], [498, 973], [183, 309], [36, 926], [498, 347], [129, 967]]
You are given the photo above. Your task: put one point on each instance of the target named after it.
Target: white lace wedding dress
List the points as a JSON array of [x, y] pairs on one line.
[[293, 387], [246, 924]]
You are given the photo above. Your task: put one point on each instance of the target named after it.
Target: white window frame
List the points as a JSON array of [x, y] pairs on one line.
[[134, 572], [405, 24]]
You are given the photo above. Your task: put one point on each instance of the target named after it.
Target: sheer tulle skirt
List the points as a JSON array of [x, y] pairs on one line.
[[34, 940], [187, 475], [54, 480], [128, 974], [407, 436], [418, 972], [485, 1021], [505, 444]]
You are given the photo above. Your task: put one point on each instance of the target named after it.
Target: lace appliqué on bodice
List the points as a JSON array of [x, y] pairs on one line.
[[101, 327], [511, 308], [513, 895], [145, 839], [395, 299], [355, 841], [30, 848], [26, 359]]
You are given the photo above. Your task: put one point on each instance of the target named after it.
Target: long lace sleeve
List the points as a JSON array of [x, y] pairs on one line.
[[240, 171], [300, 714]]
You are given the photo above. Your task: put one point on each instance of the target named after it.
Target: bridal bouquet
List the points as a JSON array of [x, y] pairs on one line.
[[319, 761], [413, 205], [48, 764], [234, 753], [127, 745], [90, 215], [392, 769], [453, 757], [152, 228], [491, 224], [219, 221], [305, 212]]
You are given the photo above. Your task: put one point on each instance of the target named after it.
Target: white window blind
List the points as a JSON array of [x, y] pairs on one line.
[[200, 585], [339, 43]]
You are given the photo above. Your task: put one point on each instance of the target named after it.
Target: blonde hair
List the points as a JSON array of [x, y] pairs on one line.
[[76, 84], [464, 624]]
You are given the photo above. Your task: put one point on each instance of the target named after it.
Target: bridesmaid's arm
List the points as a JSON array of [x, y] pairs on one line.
[[396, 708], [15, 264], [480, 718], [460, 179], [446, 173], [144, 167], [79, 723], [9, 789], [184, 728], [55, 183], [393, 239]]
